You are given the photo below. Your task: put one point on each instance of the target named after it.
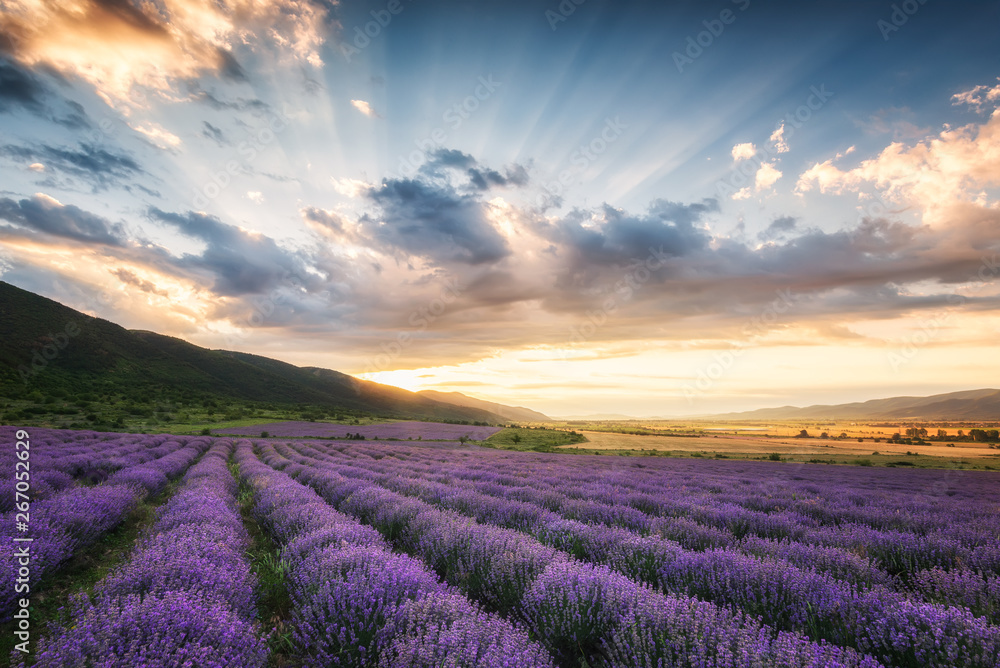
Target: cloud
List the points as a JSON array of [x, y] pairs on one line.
[[209, 98], [744, 151], [432, 221], [484, 179], [766, 177], [215, 134], [447, 163], [552, 272], [591, 243], [979, 97], [778, 228], [131, 278], [97, 166], [255, 196], [935, 175], [778, 139], [117, 45], [327, 223], [240, 261], [44, 214], [352, 188], [18, 88], [440, 214], [158, 135], [364, 108]]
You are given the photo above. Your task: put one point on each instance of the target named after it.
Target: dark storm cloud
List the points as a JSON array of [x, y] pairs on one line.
[[433, 221], [41, 214], [241, 262], [18, 88], [608, 236], [484, 179], [480, 178], [21, 89], [778, 228], [229, 67], [98, 166]]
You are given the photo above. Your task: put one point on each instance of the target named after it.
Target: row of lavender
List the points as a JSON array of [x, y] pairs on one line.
[[356, 603], [772, 500], [584, 614], [968, 551], [185, 597], [834, 550], [78, 516], [875, 620], [61, 459], [935, 567]]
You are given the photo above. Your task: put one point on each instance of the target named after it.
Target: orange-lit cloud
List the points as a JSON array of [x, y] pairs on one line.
[[744, 151], [935, 175], [118, 45], [364, 108]]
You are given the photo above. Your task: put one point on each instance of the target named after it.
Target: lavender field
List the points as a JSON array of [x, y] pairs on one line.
[[405, 555], [427, 431]]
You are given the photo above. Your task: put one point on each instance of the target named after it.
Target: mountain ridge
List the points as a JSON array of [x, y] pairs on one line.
[[518, 413], [47, 346], [980, 404]]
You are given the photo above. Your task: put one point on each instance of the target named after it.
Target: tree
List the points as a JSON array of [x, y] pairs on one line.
[[463, 439], [516, 438], [803, 434]]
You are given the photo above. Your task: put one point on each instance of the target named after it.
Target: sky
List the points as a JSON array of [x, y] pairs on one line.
[[583, 207]]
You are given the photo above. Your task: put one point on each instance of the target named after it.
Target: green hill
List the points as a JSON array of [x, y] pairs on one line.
[[49, 350]]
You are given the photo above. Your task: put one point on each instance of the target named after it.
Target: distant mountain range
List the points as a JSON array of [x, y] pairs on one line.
[[57, 348], [967, 405], [515, 413]]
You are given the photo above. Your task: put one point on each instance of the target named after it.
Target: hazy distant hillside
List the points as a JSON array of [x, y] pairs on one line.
[[966, 405], [517, 413], [101, 357]]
